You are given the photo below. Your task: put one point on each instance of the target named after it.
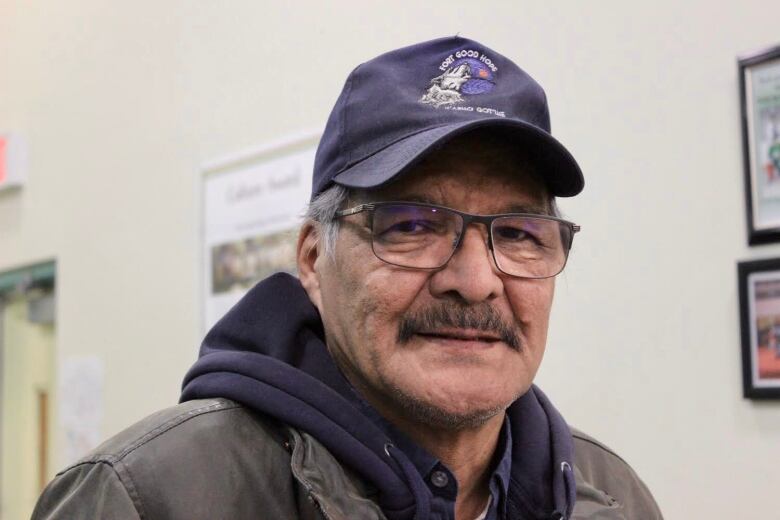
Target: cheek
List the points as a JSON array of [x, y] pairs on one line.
[[531, 302], [384, 295], [363, 298]]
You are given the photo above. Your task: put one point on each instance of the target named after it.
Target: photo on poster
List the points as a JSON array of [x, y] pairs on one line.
[[240, 264], [760, 103], [759, 289]]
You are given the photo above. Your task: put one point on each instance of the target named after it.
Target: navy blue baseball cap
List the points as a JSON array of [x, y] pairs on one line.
[[402, 105]]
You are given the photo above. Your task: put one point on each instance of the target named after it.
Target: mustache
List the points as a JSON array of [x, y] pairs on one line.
[[479, 317]]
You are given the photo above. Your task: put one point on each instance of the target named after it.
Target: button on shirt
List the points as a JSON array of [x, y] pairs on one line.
[[442, 483]]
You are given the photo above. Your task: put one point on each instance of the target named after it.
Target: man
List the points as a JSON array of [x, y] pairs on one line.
[[394, 378]]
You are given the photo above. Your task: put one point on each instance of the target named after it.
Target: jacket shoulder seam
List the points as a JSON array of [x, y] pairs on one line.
[[172, 423], [131, 489], [123, 477], [597, 444], [112, 458]]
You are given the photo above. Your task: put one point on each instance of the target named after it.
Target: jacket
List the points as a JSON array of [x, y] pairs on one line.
[[216, 459], [266, 363]]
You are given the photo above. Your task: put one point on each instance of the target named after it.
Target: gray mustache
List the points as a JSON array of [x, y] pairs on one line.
[[480, 317]]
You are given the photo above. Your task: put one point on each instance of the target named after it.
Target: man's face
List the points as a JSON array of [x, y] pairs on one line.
[[443, 375]]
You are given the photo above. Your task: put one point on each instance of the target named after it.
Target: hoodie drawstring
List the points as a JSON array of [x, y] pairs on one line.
[[562, 502]]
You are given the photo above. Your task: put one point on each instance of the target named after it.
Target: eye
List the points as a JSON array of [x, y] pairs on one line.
[[411, 227], [407, 223], [512, 233]]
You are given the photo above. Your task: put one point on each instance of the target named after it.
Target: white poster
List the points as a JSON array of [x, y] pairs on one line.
[[81, 405], [252, 212]]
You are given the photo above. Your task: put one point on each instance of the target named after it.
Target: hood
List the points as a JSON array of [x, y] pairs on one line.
[[268, 353]]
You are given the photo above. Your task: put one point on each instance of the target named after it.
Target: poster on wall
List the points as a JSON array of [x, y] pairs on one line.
[[759, 294], [253, 205], [760, 101]]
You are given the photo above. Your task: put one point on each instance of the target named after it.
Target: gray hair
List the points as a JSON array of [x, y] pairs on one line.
[[322, 211], [553, 207]]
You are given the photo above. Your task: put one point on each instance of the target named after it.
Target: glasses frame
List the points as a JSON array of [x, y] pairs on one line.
[[468, 218]]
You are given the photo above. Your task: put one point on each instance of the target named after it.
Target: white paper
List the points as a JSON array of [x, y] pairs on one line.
[[81, 404]]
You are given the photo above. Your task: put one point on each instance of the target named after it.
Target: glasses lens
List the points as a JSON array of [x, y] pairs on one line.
[[530, 247], [415, 236]]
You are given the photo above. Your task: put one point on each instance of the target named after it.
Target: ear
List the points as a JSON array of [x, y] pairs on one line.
[[308, 254]]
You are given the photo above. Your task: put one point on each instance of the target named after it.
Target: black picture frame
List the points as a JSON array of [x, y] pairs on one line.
[[759, 89], [759, 308]]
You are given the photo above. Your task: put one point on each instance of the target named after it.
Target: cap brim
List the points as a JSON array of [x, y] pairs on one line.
[[558, 168]]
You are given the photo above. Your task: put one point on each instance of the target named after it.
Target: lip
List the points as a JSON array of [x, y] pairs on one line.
[[462, 338]]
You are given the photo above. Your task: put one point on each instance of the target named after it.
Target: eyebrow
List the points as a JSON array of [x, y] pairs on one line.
[[528, 208], [513, 208]]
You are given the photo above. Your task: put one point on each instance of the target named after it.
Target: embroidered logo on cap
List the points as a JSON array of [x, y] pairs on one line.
[[465, 73]]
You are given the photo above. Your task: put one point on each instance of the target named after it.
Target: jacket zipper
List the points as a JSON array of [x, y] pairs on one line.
[[289, 445], [319, 508]]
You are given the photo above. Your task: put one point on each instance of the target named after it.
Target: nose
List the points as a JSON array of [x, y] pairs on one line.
[[471, 275]]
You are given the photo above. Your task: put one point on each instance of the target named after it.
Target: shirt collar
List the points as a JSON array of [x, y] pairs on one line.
[[501, 463]]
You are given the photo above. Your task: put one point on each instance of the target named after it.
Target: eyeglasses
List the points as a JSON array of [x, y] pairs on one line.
[[425, 236]]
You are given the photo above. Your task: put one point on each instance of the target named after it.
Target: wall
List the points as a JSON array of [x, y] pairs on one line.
[[122, 103]]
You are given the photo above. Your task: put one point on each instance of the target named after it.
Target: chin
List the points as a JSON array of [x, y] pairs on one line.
[[449, 418], [456, 410]]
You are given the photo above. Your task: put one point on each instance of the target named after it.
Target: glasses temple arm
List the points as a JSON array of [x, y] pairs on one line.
[[352, 211]]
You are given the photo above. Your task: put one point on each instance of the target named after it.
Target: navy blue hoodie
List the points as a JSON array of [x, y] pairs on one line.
[[268, 353]]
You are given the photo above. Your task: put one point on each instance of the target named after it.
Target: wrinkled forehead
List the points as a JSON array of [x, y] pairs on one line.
[[478, 172]]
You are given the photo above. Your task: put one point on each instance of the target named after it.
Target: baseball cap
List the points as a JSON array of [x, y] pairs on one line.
[[401, 105]]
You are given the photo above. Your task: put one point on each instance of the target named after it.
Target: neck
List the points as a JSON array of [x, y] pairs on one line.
[[467, 453]]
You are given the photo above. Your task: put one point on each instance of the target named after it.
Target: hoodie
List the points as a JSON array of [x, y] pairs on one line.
[[269, 354]]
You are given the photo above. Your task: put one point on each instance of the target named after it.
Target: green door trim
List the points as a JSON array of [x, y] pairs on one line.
[[38, 275]]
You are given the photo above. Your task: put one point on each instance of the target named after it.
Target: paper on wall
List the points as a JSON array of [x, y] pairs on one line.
[[81, 404]]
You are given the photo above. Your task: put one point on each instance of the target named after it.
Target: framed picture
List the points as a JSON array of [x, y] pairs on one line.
[[759, 302], [760, 99]]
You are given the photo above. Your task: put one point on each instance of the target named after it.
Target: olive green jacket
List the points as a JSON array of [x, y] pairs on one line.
[[215, 459]]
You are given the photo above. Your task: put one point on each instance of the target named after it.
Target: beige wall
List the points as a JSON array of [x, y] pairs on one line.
[[122, 102]]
